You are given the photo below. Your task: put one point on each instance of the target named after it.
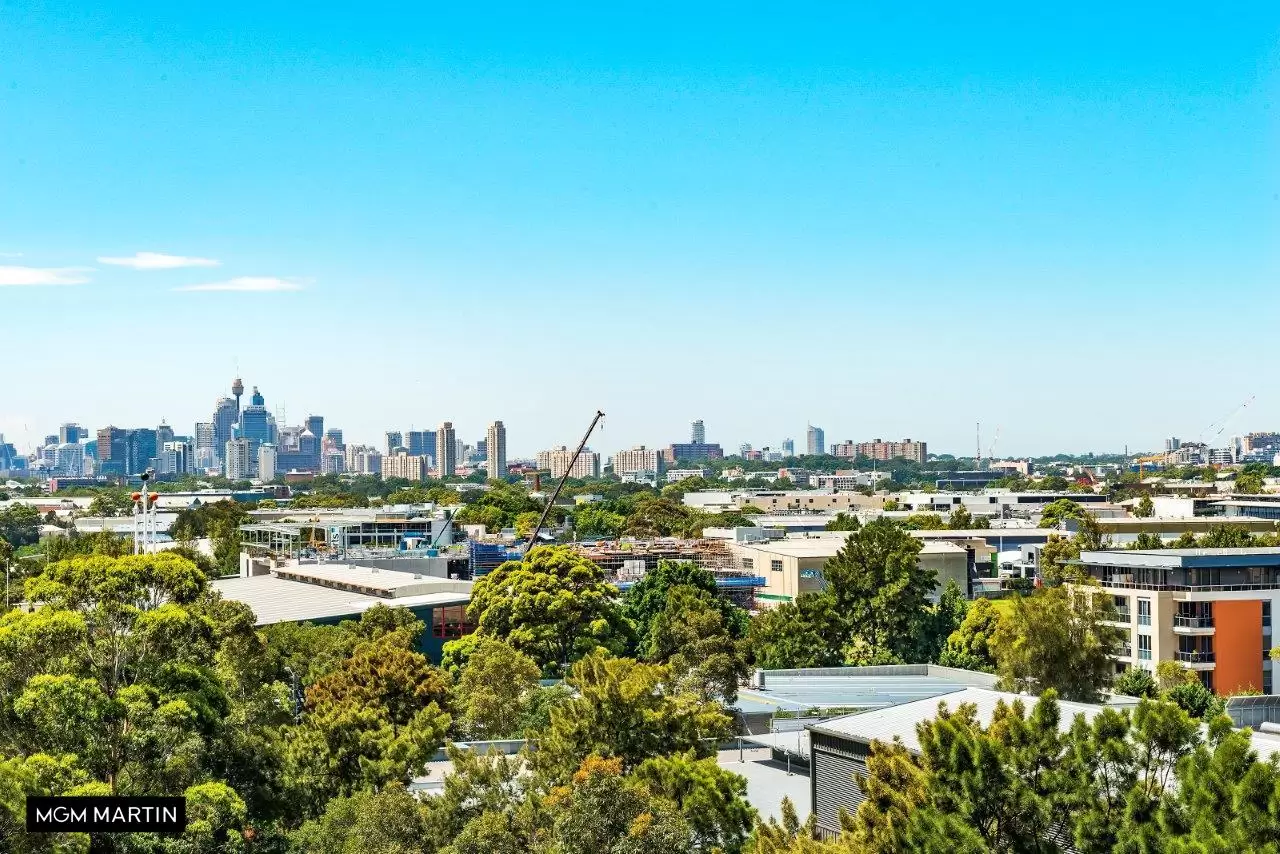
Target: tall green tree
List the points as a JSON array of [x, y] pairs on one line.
[[691, 637], [808, 632], [373, 722], [1059, 638], [553, 606], [969, 646], [879, 587], [711, 799], [648, 598], [627, 710], [495, 690], [843, 522], [20, 525], [1055, 512]]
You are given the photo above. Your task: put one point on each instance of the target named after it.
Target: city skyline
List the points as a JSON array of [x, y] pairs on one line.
[[934, 196], [694, 427]]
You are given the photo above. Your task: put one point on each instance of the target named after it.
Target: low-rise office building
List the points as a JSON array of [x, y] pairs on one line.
[[1207, 609], [677, 475], [327, 594], [794, 566], [1001, 502], [783, 501], [845, 480]]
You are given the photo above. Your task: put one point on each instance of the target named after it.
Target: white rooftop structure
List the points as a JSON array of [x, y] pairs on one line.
[[900, 721], [281, 600]]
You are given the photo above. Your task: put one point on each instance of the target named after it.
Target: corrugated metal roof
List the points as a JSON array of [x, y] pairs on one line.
[[277, 600], [809, 691], [901, 721]]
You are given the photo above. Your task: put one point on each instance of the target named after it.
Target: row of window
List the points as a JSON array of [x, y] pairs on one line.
[[774, 566], [1144, 609]]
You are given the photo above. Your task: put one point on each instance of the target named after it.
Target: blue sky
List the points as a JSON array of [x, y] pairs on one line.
[[885, 221]]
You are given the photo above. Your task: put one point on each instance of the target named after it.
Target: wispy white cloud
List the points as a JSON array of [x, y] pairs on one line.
[[43, 276], [258, 284], [10, 254], [158, 261]]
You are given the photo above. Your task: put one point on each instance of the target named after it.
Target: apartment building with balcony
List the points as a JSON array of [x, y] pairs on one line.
[[1208, 609]]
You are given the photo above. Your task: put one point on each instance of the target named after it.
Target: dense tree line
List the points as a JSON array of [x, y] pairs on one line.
[[130, 675]]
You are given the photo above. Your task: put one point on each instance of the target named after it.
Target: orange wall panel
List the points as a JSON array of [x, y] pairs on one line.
[[1237, 646]]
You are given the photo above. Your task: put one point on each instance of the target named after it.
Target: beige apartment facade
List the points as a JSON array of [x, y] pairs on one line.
[[1210, 610]]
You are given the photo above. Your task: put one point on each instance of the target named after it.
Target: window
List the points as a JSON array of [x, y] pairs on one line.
[[1144, 614], [450, 622], [1266, 612], [775, 566], [748, 563], [1144, 645]]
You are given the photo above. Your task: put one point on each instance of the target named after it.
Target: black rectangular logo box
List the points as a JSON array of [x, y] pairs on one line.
[[106, 814]]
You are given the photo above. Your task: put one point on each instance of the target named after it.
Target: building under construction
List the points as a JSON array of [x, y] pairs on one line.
[[626, 562]]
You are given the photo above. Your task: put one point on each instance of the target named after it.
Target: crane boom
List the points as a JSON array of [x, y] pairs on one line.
[[559, 486], [1222, 425]]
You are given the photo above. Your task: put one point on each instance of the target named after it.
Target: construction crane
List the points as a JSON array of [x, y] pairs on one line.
[[1222, 425], [542, 520], [991, 451]]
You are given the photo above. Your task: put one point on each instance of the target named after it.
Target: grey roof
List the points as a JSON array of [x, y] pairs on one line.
[[853, 687], [901, 721], [277, 600], [1184, 558]]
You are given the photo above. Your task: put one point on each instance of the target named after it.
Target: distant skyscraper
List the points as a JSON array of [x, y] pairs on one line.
[[141, 447], [394, 440], [174, 458], [333, 441], [239, 464], [237, 389], [256, 425], [111, 451], [788, 448], [164, 433], [226, 415], [206, 452], [817, 441], [698, 435], [71, 433], [446, 450], [495, 445], [267, 462], [420, 442], [744, 449], [315, 423]]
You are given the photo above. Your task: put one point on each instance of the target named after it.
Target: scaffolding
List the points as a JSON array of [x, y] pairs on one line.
[[626, 562]]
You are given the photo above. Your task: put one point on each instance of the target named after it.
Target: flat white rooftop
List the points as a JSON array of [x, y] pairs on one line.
[[371, 581], [279, 600]]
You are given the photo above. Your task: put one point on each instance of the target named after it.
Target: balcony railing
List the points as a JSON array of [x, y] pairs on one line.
[[1123, 615], [1126, 651], [1181, 622], [1195, 657]]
